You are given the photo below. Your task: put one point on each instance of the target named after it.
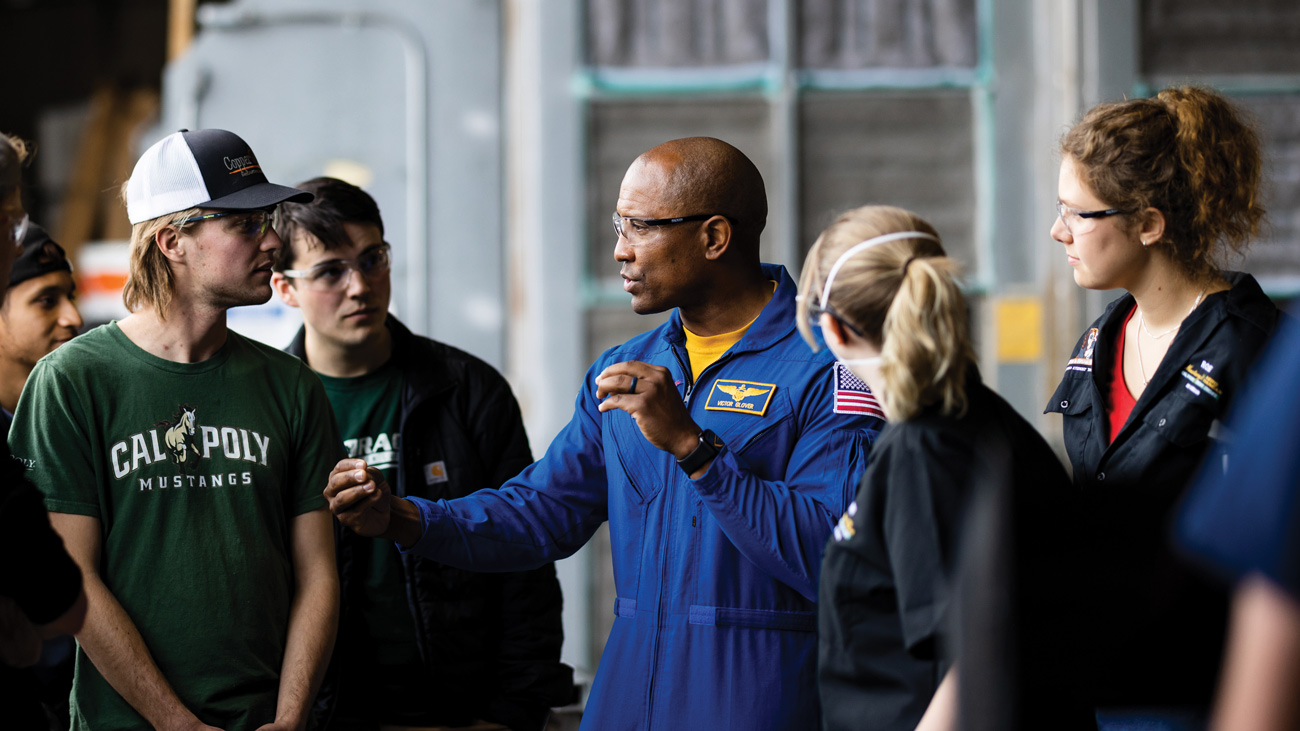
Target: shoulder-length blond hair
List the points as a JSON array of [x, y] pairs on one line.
[[149, 281], [903, 296]]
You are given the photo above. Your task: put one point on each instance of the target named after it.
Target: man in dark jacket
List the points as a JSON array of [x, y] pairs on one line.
[[441, 646]]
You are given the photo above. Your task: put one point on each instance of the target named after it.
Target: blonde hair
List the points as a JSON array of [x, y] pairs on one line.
[[904, 297], [149, 282]]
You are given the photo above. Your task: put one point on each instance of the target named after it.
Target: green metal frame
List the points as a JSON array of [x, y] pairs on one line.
[[778, 81]]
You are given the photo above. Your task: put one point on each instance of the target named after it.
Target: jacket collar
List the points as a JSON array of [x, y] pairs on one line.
[[1245, 299], [423, 372], [775, 322]]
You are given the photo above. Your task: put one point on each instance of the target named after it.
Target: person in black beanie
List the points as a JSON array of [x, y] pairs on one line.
[[41, 593], [39, 313]]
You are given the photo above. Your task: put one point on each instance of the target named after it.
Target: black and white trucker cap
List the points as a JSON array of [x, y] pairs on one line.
[[205, 168]]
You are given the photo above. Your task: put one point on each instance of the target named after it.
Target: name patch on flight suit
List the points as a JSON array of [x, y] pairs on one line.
[[1200, 381], [746, 397], [1082, 360]]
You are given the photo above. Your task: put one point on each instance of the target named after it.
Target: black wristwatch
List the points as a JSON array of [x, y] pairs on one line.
[[706, 450]]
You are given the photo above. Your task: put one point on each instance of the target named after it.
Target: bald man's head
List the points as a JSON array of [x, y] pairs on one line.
[[707, 175]]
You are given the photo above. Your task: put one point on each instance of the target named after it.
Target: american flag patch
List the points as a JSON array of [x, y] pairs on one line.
[[852, 395]]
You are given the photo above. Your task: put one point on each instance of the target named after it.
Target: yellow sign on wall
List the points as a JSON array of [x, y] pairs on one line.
[[1019, 322]]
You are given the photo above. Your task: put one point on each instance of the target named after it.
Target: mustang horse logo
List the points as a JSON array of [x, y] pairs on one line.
[[742, 392], [180, 436]]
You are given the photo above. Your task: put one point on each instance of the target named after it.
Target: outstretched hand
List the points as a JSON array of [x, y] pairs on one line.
[[648, 394], [360, 498]]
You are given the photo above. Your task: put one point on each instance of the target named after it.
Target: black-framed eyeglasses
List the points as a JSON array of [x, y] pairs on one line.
[[253, 224], [633, 228], [336, 274], [1081, 222], [816, 310]]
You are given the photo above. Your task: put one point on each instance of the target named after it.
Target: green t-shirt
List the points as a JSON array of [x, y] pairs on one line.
[[194, 471], [381, 661]]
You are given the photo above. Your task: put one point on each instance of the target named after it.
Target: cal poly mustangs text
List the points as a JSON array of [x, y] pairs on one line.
[[150, 447]]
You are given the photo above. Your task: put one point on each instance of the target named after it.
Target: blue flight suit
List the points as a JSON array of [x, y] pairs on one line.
[[716, 579]]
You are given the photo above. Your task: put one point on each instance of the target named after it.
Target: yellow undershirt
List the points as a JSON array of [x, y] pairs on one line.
[[704, 350]]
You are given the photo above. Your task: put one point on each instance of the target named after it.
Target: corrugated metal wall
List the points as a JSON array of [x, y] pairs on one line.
[[908, 149], [858, 34], [1249, 48], [1196, 37], [681, 33]]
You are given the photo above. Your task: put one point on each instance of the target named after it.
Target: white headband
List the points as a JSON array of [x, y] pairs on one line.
[[835, 269]]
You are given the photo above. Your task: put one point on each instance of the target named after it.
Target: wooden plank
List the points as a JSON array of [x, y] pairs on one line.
[[82, 196], [180, 27], [137, 108]]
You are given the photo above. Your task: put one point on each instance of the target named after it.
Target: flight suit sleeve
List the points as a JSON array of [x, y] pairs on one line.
[[545, 513], [782, 525]]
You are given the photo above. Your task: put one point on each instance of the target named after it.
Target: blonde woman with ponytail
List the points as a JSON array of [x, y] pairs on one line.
[[1154, 197], [879, 288]]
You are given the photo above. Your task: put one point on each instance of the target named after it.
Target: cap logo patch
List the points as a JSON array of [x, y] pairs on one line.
[[746, 397], [246, 165]]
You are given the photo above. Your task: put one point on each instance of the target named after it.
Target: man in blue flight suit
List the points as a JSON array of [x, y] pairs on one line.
[[711, 444]]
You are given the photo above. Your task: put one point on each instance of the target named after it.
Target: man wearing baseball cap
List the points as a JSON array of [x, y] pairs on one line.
[[183, 465], [38, 314]]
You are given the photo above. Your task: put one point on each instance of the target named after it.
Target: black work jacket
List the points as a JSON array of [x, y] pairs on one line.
[[490, 643], [1158, 627], [886, 589]]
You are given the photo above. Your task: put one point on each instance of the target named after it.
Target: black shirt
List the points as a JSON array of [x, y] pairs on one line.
[[1158, 628], [36, 573], [886, 585]]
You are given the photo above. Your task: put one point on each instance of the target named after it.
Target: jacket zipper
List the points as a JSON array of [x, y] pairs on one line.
[[663, 564], [690, 380], [659, 616], [667, 542]]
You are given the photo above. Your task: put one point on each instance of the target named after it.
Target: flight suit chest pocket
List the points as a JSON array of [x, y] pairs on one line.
[[1180, 419], [646, 468], [763, 442]]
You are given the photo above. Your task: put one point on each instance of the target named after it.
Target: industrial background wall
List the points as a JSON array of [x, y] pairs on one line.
[[494, 134]]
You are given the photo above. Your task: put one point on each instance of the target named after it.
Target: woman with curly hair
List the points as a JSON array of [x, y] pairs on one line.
[[1154, 196]]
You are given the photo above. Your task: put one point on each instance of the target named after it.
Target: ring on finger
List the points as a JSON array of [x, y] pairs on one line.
[[632, 388]]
